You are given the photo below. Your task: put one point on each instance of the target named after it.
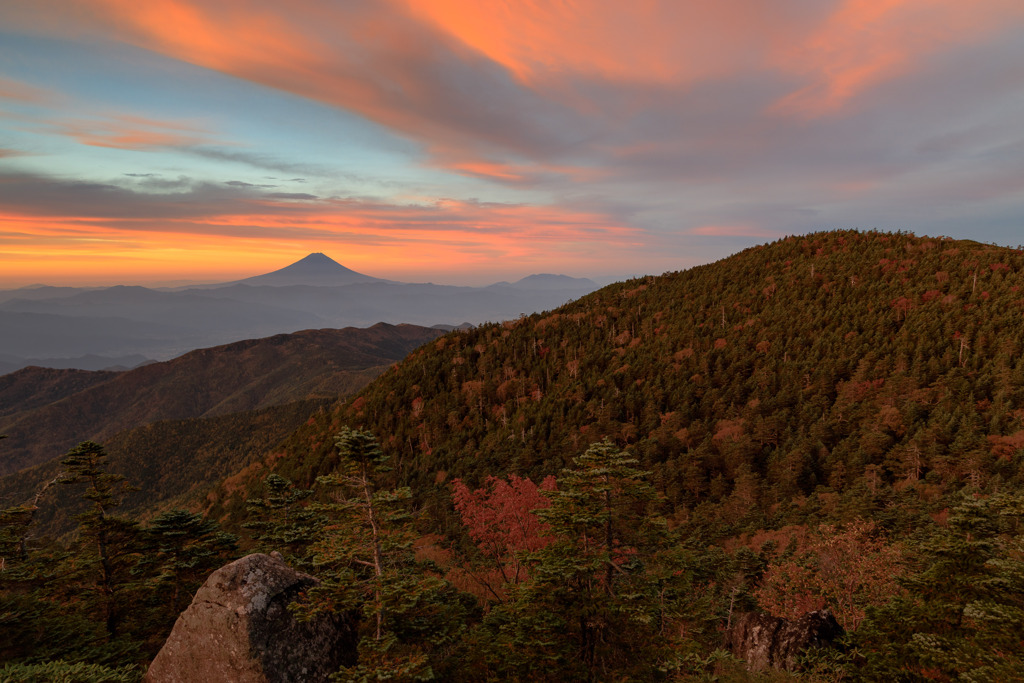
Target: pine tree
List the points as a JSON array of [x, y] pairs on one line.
[[113, 540], [594, 605], [181, 549], [964, 611], [366, 557], [41, 615], [283, 520]]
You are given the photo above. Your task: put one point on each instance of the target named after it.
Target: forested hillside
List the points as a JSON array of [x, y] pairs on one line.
[[811, 378], [169, 463], [74, 406]]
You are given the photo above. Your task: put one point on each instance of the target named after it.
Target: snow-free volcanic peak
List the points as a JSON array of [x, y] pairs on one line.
[[315, 269]]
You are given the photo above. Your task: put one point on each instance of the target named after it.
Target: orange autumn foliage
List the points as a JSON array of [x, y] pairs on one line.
[[845, 570]]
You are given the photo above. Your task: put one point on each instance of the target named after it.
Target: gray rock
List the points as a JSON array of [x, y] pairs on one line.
[[764, 641], [239, 629]]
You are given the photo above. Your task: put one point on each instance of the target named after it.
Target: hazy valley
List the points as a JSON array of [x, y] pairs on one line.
[[124, 326]]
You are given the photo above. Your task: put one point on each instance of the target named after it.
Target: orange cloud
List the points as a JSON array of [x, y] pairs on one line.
[[866, 42], [130, 132], [436, 71], [375, 237], [426, 69], [524, 173], [646, 41]]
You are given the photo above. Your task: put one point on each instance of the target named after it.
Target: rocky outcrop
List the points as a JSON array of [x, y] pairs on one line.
[[238, 628], [764, 641]]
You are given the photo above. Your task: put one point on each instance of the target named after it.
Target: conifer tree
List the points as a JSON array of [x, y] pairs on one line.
[[365, 554], [283, 521], [963, 615], [591, 609], [34, 597], [182, 549], [112, 539]]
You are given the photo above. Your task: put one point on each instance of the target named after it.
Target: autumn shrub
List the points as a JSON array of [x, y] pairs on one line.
[[846, 569]]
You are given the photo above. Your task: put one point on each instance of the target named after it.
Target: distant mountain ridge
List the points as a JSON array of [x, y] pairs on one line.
[[44, 412], [315, 292], [550, 281]]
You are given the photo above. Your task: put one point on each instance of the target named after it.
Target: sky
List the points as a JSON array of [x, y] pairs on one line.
[[465, 142]]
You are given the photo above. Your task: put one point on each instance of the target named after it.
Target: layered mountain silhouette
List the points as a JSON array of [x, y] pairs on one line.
[[44, 411], [97, 328]]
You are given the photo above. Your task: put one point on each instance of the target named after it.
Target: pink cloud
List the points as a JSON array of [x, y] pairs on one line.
[[865, 42], [130, 132], [23, 92], [495, 90]]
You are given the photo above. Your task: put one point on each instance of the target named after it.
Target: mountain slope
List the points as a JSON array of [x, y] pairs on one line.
[[827, 375], [171, 463], [237, 377], [34, 387]]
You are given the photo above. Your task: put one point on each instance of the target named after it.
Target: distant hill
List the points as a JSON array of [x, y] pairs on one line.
[[549, 281], [46, 412], [41, 292], [34, 387], [89, 361]]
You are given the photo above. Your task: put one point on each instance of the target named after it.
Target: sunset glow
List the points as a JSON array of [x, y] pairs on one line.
[[460, 141]]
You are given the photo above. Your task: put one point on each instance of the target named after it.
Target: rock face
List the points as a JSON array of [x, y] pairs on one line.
[[765, 641], [238, 628]]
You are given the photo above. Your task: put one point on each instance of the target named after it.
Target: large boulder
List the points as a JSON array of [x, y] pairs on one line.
[[764, 641], [239, 629]]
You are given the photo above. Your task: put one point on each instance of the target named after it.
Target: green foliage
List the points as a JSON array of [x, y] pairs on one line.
[[111, 541], [68, 672], [607, 597], [964, 612], [107, 596], [282, 520], [409, 617], [15, 523], [180, 550], [173, 463]]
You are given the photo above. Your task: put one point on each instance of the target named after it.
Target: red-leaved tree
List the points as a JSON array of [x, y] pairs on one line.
[[500, 521]]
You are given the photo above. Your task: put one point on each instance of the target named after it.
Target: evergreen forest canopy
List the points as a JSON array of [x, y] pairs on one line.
[[825, 421]]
